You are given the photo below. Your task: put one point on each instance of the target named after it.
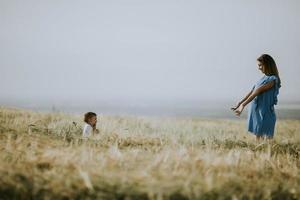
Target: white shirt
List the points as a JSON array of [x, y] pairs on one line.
[[87, 130]]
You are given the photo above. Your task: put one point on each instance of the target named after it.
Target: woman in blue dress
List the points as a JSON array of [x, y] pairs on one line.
[[263, 97]]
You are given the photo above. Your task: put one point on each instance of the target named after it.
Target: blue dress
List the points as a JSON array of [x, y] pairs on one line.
[[261, 115]]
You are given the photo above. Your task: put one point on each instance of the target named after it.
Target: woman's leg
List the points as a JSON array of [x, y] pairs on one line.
[[269, 138], [258, 138]]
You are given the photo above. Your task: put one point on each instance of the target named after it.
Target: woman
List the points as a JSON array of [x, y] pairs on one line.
[[261, 116]]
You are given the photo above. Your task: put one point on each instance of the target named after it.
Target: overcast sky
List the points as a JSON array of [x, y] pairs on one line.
[[145, 51]]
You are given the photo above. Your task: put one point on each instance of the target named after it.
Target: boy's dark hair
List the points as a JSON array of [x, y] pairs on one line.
[[88, 116]]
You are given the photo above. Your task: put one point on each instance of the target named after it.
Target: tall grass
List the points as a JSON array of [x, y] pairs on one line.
[[44, 157]]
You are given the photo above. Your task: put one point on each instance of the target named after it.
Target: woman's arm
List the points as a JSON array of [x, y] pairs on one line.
[[244, 99], [256, 92]]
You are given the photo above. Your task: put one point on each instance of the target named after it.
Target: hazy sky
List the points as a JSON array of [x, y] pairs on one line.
[[145, 51]]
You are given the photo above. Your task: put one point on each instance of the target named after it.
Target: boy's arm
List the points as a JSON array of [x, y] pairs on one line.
[[87, 131]]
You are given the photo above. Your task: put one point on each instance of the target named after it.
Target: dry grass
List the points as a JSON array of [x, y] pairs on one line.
[[43, 157]]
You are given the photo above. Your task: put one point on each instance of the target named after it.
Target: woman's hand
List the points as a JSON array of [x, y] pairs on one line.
[[236, 107], [239, 110]]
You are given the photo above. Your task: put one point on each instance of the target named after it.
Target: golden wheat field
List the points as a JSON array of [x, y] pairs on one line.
[[44, 157]]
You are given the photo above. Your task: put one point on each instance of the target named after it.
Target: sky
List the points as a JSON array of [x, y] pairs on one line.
[[139, 52]]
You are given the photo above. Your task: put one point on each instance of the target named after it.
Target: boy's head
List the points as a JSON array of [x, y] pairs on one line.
[[90, 118]]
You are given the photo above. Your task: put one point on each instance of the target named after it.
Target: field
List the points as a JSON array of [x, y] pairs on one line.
[[43, 157]]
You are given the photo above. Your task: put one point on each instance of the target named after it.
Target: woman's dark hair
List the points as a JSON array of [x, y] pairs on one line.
[[88, 116], [269, 65]]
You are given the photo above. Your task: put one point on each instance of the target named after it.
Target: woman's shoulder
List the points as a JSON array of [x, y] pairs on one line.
[[267, 79], [271, 77]]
